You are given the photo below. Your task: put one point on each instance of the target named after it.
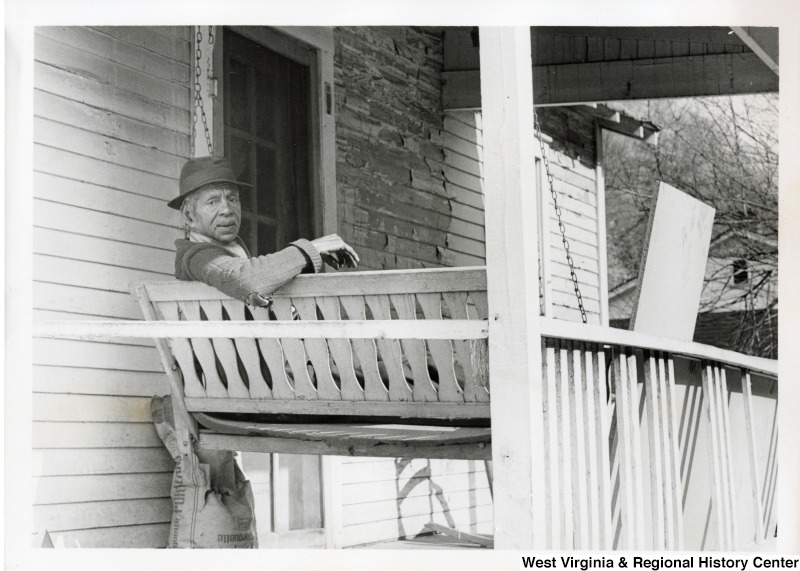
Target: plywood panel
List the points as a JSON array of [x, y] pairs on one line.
[[103, 251], [77, 380], [673, 265], [101, 514], [73, 489], [90, 408], [96, 461], [94, 434]]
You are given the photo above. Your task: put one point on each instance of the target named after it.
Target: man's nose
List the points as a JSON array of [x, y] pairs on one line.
[[226, 206]]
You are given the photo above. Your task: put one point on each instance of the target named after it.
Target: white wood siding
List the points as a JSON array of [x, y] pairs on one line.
[[577, 197], [463, 170], [384, 499], [111, 132], [575, 184]]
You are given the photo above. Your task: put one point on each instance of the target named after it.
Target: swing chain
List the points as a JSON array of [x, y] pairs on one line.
[[561, 227], [198, 97]]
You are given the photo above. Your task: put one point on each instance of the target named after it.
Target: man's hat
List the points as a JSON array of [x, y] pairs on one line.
[[201, 171]]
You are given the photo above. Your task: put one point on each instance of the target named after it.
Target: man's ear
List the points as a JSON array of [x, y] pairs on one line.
[[187, 215]]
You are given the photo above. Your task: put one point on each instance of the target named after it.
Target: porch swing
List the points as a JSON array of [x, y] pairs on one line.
[[379, 363]]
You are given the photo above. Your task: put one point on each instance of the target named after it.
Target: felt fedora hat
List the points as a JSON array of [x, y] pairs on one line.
[[201, 171]]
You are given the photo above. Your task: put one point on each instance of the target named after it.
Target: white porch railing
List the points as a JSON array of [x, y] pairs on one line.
[[624, 412]]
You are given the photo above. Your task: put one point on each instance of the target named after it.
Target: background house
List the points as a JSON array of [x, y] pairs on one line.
[[373, 147]]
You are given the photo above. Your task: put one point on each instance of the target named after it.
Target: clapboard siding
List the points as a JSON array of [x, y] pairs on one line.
[[443, 500], [103, 122], [175, 93], [475, 519], [90, 408], [388, 498], [149, 535], [51, 434], [77, 462], [130, 55], [112, 109], [81, 380], [76, 489], [115, 513], [88, 274], [102, 251], [71, 353], [98, 93], [73, 166]]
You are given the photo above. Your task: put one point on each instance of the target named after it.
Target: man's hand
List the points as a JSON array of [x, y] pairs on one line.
[[335, 252]]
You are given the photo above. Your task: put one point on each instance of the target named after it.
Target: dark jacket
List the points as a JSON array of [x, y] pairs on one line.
[[248, 279]]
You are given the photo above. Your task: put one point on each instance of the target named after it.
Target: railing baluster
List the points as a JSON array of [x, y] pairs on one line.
[[629, 448], [752, 456], [673, 447], [441, 350], [365, 350], [415, 352], [654, 424], [342, 351], [601, 422], [474, 389], [272, 352], [182, 350], [317, 351], [717, 484], [248, 352], [565, 450], [552, 445], [226, 353], [204, 351], [594, 440], [728, 449], [580, 506], [390, 352], [295, 353]]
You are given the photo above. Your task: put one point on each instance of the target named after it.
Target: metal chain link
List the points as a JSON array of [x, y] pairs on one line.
[[198, 97], [561, 227]]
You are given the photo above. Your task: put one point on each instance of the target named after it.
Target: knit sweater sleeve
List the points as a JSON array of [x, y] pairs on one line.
[[247, 279]]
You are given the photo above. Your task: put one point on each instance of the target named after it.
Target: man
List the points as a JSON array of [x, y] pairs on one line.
[[212, 252]]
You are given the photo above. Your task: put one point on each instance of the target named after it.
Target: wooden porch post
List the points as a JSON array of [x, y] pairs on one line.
[[515, 361]]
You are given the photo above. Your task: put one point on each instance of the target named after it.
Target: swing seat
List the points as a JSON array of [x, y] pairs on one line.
[[390, 363]]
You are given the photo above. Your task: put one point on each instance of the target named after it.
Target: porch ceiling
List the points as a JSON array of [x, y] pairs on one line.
[[573, 65]]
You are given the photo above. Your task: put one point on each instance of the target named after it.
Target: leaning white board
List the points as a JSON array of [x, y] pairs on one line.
[[673, 265]]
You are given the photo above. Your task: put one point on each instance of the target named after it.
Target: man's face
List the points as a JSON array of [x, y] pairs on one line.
[[217, 212]]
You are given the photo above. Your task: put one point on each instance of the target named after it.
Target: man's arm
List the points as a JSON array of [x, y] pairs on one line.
[[247, 279]]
